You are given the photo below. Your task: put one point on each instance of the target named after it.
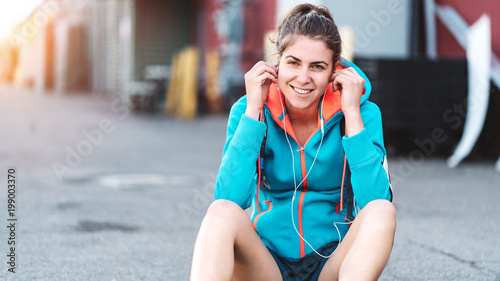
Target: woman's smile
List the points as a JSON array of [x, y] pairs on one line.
[[302, 92]]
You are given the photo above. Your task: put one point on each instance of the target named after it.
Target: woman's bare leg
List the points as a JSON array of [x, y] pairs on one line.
[[228, 248], [365, 250]]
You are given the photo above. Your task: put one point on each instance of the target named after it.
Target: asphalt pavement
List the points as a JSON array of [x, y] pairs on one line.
[[103, 193]]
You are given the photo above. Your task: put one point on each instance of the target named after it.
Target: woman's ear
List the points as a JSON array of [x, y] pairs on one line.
[[332, 77], [334, 70]]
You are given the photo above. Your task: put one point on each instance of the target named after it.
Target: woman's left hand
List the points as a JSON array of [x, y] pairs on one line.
[[350, 84]]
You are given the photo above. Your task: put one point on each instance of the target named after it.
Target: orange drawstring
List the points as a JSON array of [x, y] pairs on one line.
[[258, 168], [343, 178], [342, 186], [258, 185]]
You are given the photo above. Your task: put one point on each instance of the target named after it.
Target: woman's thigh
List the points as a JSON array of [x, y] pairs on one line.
[[377, 214], [252, 259]]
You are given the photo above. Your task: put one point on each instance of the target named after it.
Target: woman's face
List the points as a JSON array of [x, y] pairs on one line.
[[305, 70]]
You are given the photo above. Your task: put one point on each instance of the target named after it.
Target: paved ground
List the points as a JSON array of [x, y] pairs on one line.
[[104, 194]]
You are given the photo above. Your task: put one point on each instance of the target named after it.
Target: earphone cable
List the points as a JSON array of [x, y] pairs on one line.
[[296, 186]]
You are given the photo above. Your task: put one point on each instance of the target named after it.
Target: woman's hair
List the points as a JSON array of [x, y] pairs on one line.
[[312, 21]]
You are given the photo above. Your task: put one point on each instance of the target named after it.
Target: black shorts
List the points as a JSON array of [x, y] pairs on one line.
[[307, 268]]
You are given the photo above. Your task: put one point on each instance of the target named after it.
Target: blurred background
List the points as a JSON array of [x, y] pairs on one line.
[[129, 49], [114, 116]]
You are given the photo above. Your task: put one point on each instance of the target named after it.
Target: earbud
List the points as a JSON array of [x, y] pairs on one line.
[[322, 121]]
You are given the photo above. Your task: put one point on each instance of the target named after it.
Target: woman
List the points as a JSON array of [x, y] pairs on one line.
[[291, 116]]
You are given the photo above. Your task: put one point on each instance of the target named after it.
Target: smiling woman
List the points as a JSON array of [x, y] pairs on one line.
[[288, 143], [13, 13]]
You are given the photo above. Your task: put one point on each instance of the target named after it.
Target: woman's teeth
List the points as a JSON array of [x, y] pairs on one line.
[[302, 91]]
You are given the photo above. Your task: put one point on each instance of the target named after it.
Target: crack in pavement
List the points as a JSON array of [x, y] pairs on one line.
[[472, 264]]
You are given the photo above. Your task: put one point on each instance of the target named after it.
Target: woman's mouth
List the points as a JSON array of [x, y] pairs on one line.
[[301, 91]]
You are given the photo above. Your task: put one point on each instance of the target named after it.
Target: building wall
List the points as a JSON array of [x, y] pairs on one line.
[[162, 28], [104, 46], [470, 11], [204, 32], [52, 47], [110, 46], [260, 17]]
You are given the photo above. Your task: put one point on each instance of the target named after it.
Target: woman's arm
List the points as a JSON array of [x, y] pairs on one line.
[[365, 154], [363, 142], [236, 180]]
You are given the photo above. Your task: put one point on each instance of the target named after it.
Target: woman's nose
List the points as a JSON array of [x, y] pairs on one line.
[[303, 76]]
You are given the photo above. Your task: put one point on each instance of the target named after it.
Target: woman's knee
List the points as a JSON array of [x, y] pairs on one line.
[[382, 211], [225, 210]]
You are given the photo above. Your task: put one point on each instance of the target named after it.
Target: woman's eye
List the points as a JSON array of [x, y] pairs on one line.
[[317, 66], [293, 63]]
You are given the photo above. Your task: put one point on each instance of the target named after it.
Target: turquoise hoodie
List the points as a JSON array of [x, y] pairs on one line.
[[314, 207]]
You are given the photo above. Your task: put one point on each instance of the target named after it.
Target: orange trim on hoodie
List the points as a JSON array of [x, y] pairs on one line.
[[260, 214]]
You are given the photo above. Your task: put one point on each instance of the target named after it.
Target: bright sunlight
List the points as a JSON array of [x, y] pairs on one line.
[[14, 12]]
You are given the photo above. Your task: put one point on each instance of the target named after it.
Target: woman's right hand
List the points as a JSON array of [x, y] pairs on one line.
[[257, 83]]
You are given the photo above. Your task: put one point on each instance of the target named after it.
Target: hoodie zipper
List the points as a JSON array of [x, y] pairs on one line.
[[301, 199], [306, 189]]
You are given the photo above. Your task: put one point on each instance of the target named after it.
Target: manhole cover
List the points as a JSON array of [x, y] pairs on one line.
[[144, 180]]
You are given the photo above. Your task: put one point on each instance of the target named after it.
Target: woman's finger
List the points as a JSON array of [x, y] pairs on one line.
[[262, 74], [348, 77]]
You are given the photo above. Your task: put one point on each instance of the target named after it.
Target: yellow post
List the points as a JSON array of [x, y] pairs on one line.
[[182, 93], [188, 102], [213, 91], [173, 87]]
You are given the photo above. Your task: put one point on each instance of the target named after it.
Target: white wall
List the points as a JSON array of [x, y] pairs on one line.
[[283, 6], [382, 27]]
